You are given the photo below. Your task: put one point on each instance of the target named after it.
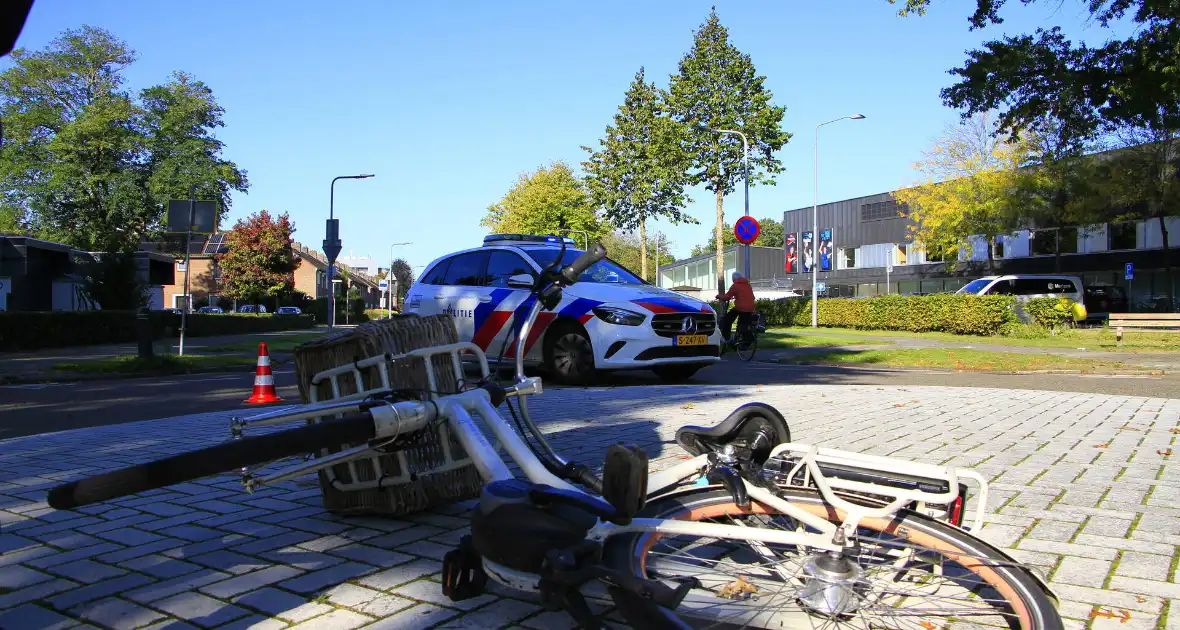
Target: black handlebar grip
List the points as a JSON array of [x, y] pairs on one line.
[[583, 262], [356, 428]]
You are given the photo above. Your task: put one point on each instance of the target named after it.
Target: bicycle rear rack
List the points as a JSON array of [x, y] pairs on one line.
[[380, 469]]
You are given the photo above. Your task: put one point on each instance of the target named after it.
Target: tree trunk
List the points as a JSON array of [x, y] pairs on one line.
[[991, 254], [719, 236], [643, 249], [1168, 264]]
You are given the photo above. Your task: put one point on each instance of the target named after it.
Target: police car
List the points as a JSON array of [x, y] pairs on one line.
[[609, 320]]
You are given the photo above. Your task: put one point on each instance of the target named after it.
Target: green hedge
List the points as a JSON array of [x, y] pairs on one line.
[[356, 311], [1049, 312], [953, 313], [37, 330]]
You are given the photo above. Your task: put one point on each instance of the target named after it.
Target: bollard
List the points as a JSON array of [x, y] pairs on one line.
[[1118, 336], [143, 331]]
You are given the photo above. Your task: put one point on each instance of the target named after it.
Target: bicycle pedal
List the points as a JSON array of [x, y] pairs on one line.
[[624, 480], [463, 576]]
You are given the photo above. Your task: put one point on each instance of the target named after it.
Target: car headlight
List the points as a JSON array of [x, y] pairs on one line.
[[618, 316]]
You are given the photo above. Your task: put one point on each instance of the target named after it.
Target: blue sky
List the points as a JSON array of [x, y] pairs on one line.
[[448, 102]]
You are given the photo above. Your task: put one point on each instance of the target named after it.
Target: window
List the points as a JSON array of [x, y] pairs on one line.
[[1002, 287], [1067, 240], [998, 251], [900, 257], [467, 270], [502, 265], [603, 271], [1042, 242], [437, 274], [1044, 286], [848, 258], [1122, 235], [881, 210]]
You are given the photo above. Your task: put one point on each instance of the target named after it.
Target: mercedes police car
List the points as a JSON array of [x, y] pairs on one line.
[[609, 320]]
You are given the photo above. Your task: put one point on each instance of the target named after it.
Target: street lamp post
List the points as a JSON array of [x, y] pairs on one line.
[[746, 182], [815, 222], [389, 277], [332, 246]]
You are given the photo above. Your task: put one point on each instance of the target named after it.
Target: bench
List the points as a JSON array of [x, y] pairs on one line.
[[1162, 322]]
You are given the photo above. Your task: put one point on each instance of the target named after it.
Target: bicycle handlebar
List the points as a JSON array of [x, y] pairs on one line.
[[575, 269]]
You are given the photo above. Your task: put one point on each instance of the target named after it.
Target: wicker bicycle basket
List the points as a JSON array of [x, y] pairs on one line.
[[435, 470]]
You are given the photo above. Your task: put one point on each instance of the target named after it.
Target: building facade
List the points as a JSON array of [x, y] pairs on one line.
[[697, 276], [859, 238]]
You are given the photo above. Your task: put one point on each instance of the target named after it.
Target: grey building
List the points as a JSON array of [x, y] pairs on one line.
[[860, 237], [698, 275]]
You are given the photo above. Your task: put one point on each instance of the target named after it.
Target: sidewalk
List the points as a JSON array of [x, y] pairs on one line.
[[1102, 523], [1151, 360], [39, 363]]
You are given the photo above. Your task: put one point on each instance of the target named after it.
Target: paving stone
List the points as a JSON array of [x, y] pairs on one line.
[[34, 593], [161, 567], [1001, 535], [1105, 526], [197, 549], [1061, 531], [400, 574], [1067, 549], [129, 536], [427, 549], [337, 620], [250, 581], [17, 577], [87, 571], [1144, 565], [279, 603], [140, 551], [325, 577], [1082, 571], [200, 610], [271, 543], [430, 591], [371, 555], [117, 613], [384, 605], [75, 596], [301, 558], [29, 617], [230, 562], [495, 615], [73, 555], [1166, 590], [254, 622], [166, 588], [416, 618]]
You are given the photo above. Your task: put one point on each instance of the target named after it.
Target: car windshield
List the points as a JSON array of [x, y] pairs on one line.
[[604, 271], [975, 286]]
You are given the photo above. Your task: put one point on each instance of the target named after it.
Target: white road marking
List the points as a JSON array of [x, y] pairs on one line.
[[36, 386]]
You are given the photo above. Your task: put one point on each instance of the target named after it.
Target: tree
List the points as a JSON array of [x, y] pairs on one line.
[[770, 235], [626, 249], [403, 276], [550, 201], [83, 162], [640, 170], [969, 190], [112, 281], [717, 88], [259, 261]]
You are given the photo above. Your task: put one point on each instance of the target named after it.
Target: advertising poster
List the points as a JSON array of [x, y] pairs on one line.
[[825, 250], [791, 264], [808, 254]]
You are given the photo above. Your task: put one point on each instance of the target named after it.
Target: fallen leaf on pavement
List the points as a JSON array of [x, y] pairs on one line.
[[687, 406]]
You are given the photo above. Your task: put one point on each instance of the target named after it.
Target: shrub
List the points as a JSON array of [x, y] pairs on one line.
[[959, 314], [377, 313], [1048, 312]]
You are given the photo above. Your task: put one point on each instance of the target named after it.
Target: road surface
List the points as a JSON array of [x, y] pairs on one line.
[[32, 409]]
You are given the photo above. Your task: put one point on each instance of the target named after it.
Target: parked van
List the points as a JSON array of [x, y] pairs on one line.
[[1026, 287]]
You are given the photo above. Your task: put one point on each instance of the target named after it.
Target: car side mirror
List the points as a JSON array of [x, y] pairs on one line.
[[520, 281]]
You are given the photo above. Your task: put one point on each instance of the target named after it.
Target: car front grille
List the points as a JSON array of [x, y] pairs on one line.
[[672, 324], [678, 352]]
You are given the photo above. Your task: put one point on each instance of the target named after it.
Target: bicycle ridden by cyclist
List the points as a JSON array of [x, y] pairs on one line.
[[742, 296]]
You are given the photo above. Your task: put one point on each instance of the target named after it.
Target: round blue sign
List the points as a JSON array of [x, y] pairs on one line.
[[746, 230]]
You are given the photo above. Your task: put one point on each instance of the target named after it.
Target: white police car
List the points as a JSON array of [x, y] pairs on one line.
[[609, 320]]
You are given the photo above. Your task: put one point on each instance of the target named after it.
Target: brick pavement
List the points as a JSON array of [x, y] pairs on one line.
[[1083, 489]]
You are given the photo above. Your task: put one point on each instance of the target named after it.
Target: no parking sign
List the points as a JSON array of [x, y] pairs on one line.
[[746, 230]]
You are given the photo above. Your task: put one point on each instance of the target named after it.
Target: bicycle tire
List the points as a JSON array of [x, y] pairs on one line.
[[354, 428], [746, 351], [623, 553]]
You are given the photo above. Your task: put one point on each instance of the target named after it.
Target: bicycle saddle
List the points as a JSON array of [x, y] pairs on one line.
[[755, 426]]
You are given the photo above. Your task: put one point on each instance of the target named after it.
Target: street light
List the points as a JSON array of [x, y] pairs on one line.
[[815, 222], [332, 245], [746, 181], [389, 277]]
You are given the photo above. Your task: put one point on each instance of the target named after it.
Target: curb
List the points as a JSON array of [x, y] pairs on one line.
[[859, 366], [115, 376]]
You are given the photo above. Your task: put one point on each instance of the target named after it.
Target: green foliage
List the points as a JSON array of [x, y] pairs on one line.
[[717, 87], [958, 314], [623, 248], [355, 314], [550, 201], [373, 314], [770, 235], [86, 163], [34, 330], [404, 276], [1049, 313], [259, 261], [112, 282], [640, 170]]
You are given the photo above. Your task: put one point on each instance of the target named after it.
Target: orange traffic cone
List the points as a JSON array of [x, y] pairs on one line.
[[264, 381]]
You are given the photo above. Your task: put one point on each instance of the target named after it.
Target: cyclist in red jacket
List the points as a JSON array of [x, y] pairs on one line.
[[742, 295]]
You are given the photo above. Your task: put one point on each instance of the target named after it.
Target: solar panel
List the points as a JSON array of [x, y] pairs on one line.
[[215, 244]]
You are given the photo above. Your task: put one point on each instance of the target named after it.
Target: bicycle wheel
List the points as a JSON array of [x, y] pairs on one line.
[[745, 351], [911, 573], [236, 454]]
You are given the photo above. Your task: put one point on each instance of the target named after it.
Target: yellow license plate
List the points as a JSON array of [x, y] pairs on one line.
[[692, 340]]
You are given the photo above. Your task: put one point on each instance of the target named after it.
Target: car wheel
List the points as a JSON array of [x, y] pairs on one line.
[[676, 373], [569, 356]]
